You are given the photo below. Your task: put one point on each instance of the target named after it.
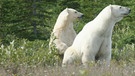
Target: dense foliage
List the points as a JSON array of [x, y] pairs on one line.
[[25, 27]]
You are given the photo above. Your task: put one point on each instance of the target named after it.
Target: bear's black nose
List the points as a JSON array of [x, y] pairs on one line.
[[82, 15], [129, 10]]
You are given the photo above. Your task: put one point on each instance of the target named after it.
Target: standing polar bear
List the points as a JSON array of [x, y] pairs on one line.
[[63, 33], [94, 41]]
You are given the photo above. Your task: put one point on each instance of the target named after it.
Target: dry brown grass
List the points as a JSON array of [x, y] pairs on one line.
[[113, 70]]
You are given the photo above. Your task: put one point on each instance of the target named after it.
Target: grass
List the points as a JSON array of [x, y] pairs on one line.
[[32, 58], [113, 70]]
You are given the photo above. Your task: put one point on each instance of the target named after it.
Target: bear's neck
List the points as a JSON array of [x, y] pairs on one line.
[[69, 24], [104, 22], [105, 15], [65, 26]]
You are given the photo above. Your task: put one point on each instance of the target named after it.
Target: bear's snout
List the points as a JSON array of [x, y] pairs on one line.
[[81, 16], [129, 10]]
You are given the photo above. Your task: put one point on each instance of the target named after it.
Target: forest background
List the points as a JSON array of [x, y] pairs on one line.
[[25, 27]]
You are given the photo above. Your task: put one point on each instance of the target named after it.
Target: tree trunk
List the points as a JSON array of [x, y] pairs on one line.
[[34, 22]]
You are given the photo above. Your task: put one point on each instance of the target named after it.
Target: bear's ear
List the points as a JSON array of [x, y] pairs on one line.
[[67, 11], [111, 7], [67, 8]]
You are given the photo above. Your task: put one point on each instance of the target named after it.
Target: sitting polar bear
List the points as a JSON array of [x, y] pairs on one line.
[[63, 33], [94, 41]]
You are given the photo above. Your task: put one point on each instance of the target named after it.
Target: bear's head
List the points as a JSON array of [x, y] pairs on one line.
[[73, 14], [119, 11]]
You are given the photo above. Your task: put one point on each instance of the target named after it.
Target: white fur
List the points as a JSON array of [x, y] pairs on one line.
[[94, 41], [63, 31]]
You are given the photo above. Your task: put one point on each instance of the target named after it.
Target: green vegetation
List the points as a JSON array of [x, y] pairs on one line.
[[25, 27]]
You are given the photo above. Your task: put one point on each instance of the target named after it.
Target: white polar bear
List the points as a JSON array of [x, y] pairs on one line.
[[94, 41], [63, 33]]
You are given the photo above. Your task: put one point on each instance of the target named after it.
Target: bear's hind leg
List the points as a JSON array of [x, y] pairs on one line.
[[69, 57], [88, 59]]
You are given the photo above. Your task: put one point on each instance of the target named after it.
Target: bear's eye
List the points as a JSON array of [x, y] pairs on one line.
[[75, 11], [120, 7]]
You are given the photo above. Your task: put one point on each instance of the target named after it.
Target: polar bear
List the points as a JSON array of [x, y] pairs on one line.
[[63, 33], [93, 43]]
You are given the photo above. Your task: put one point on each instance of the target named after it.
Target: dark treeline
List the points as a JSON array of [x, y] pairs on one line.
[[34, 19]]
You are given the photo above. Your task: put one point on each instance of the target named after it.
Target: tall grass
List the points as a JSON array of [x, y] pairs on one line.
[[32, 58], [24, 53]]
